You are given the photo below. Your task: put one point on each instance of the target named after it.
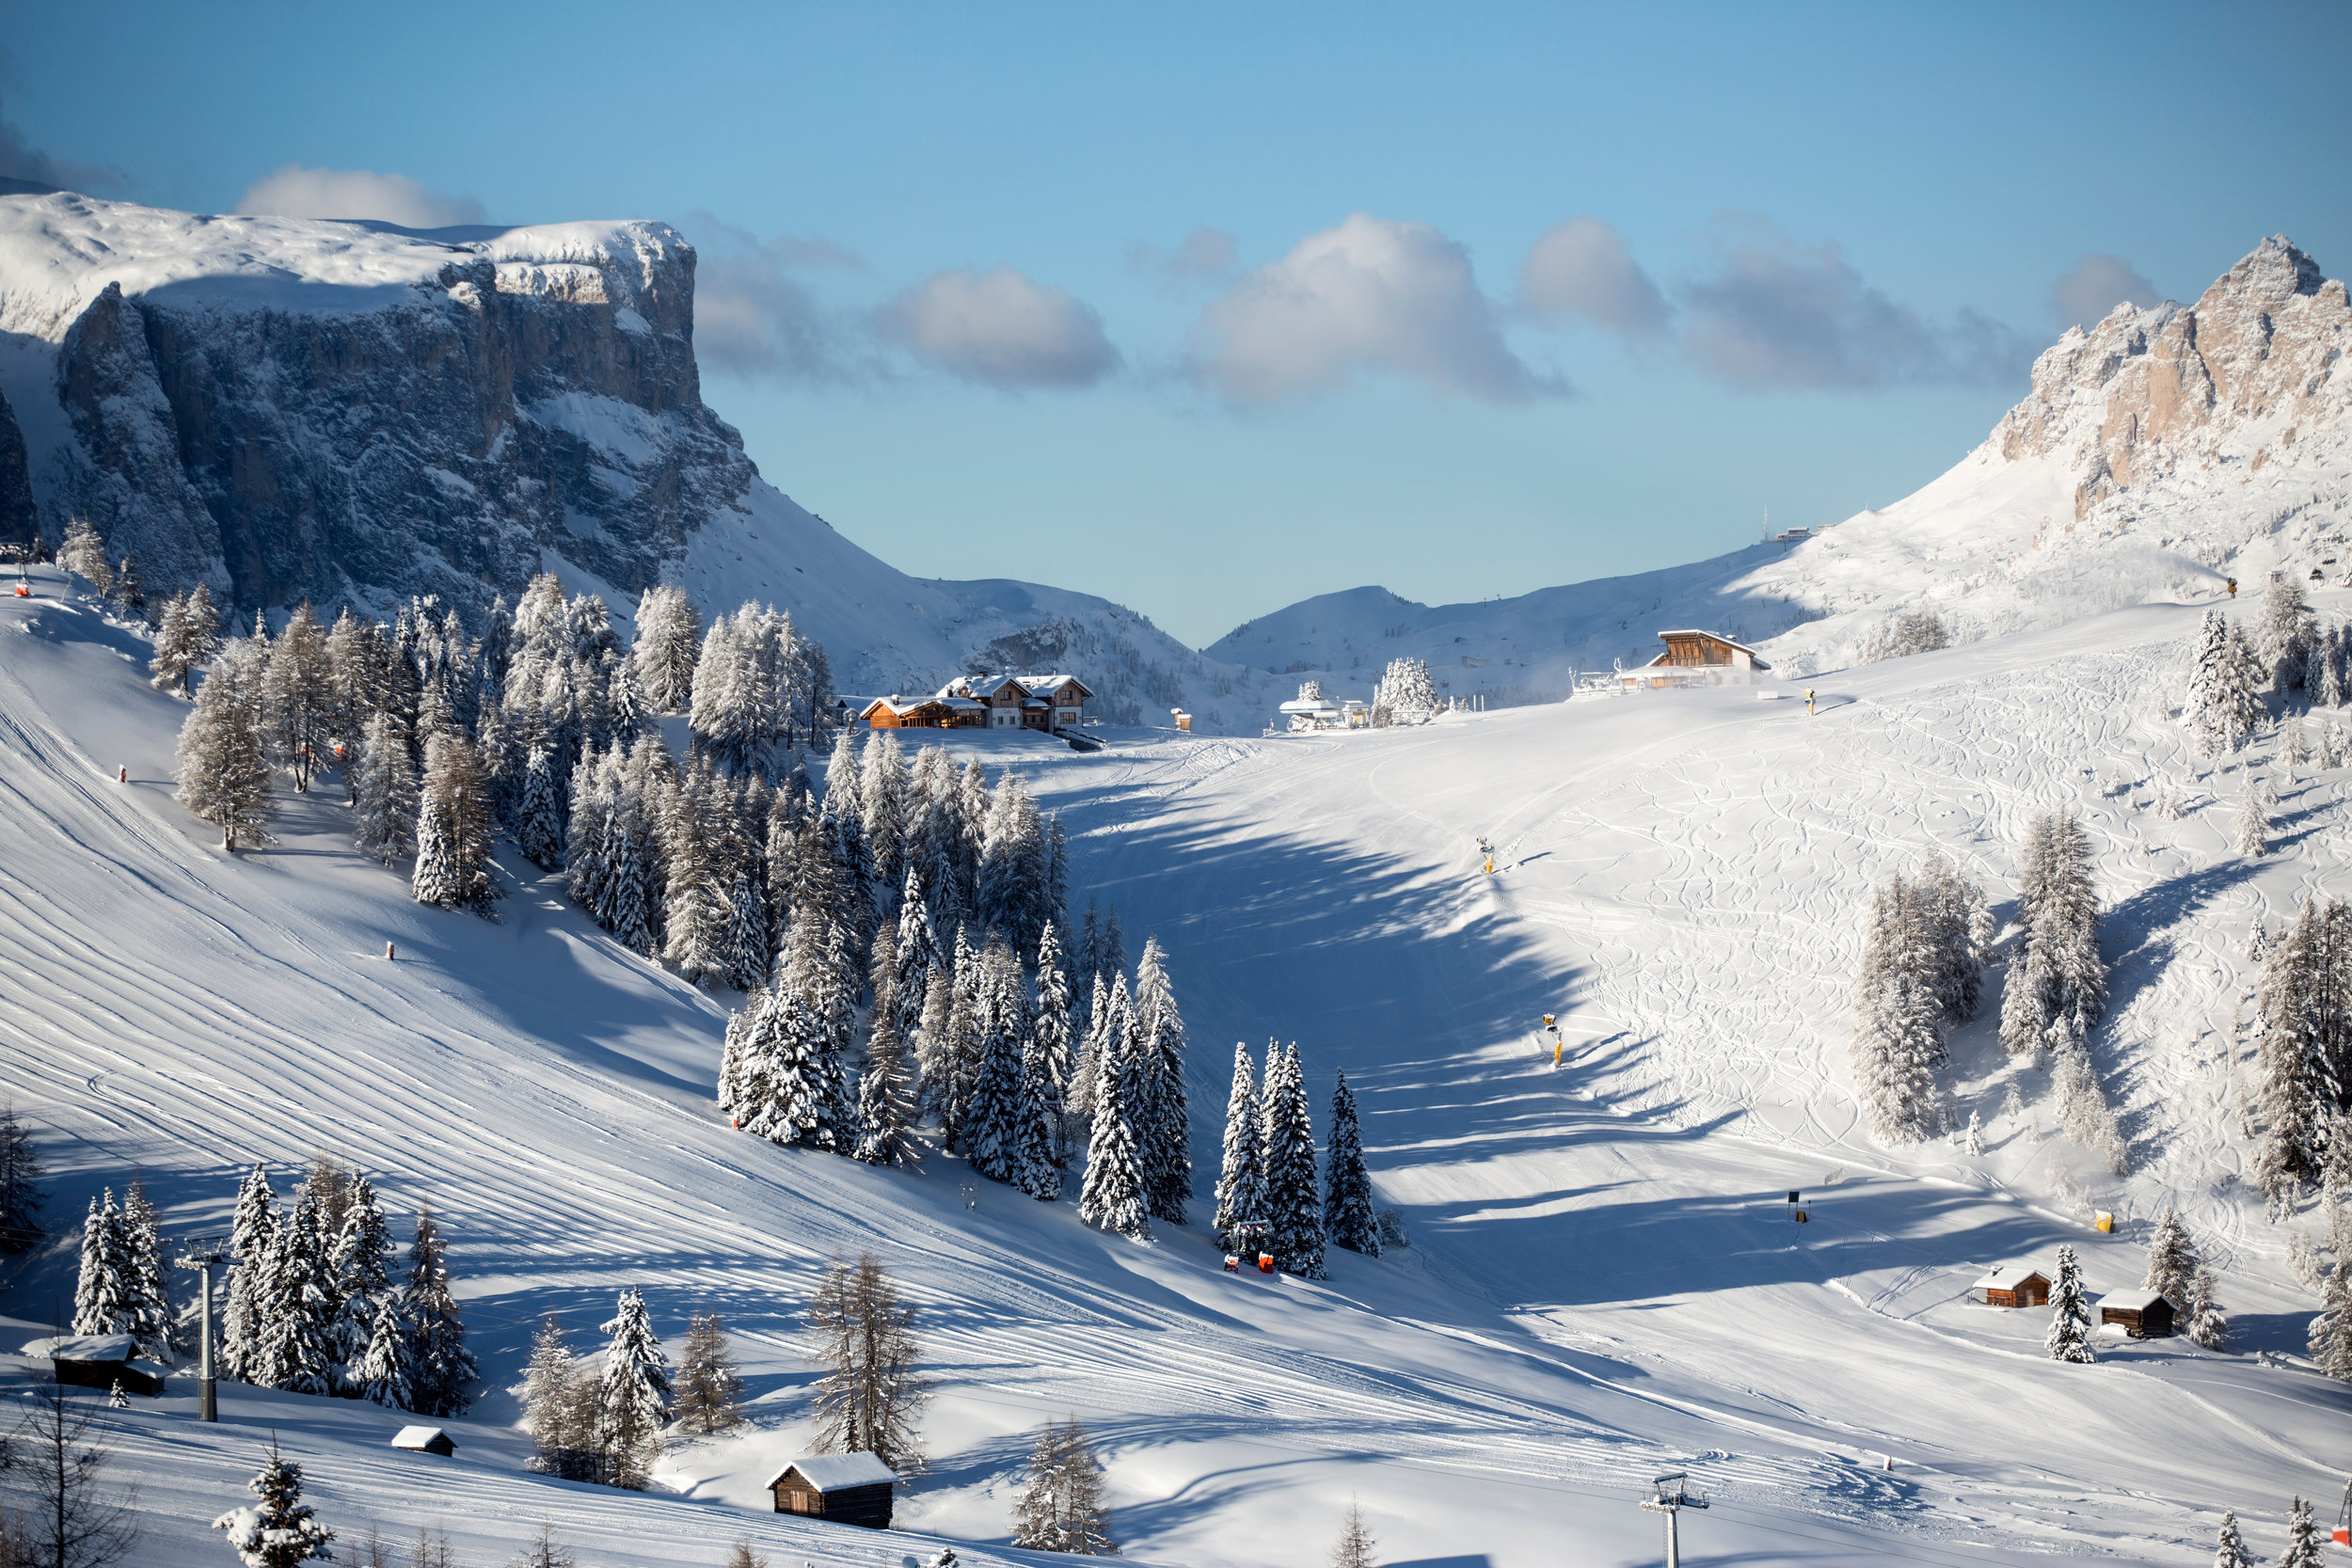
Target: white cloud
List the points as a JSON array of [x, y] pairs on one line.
[[296, 192], [1580, 269], [1369, 296], [2097, 285], [1780, 315], [1001, 329], [753, 317]]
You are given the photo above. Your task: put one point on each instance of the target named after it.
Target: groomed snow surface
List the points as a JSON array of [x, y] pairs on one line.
[[1604, 1283]]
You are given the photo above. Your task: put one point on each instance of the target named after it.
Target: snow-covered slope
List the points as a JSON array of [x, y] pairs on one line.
[[1603, 1285], [291, 409], [2158, 451]]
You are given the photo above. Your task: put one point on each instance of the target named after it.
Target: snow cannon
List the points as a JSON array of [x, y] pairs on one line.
[[2342, 1534], [1265, 1263], [2102, 1221], [1233, 1263]]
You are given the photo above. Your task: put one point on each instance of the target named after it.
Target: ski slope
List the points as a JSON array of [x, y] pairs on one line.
[[1603, 1283]]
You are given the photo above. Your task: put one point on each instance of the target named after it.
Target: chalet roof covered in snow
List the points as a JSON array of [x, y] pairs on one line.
[[2006, 1276], [423, 1439], [832, 1472], [2129, 1300], [84, 1347]]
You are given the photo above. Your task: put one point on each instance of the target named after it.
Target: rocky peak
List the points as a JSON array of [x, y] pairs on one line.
[[2143, 392]]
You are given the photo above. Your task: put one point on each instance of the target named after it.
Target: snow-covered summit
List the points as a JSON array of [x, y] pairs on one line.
[[2157, 452]]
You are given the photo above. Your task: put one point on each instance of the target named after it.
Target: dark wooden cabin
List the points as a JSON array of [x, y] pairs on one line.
[[101, 1361], [2012, 1285], [2142, 1314], [845, 1488], [431, 1440]]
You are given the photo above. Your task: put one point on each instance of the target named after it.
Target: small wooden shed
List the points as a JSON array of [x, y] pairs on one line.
[[2142, 1314], [99, 1361], [426, 1440], [2012, 1285], [845, 1488]]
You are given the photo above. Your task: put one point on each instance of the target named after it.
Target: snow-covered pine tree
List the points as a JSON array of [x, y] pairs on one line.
[[885, 1097], [2229, 1550], [2303, 1550], [252, 1235], [441, 1367], [1060, 1508], [934, 847], [709, 1389], [633, 1398], [1056, 859], [1240, 1184], [2222, 709], [1897, 1043], [2252, 835], [453, 828], [2208, 1322], [556, 1411], [153, 1324], [103, 1302], [2065, 953], [953, 1067], [1011, 897], [298, 698], [20, 1192], [294, 1354], [915, 955], [1348, 1215], [224, 777], [1293, 1206], [669, 634], [883, 794], [1113, 1196], [1166, 1137], [281, 1530], [541, 814], [2329, 1338], [1960, 928], [2306, 1012], [129, 592], [385, 1373], [1081, 1099], [185, 641], [792, 1075], [384, 785], [694, 911], [1048, 1061], [2069, 1339], [992, 1119], [363, 1282], [2171, 1259], [84, 553], [1406, 694], [2283, 635], [1356, 1546], [841, 780]]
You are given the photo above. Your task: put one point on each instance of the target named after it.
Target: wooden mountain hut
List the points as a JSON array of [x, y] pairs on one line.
[[2012, 1285], [2142, 1314], [845, 1488], [99, 1361], [432, 1440]]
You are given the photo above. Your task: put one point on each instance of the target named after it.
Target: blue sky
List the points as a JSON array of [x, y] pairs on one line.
[[1209, 309]]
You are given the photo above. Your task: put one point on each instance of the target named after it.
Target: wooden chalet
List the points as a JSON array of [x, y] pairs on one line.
[[987, 702], [431, 1440], [2142, 1314], [99, 1361], [1697, 658], [845, 1488], [2012, 1285]]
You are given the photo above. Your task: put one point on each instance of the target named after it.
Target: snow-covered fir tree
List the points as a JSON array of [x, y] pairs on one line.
[[360, 1265], [994, 1118], [441, 1367], [2229, 1550], [1897, 1041], [453, 828], [2283, 636], [2208, 1322], [2303, 1538], [1406, 694], [792, 1082], [1012, 895], [20, 1192], [633, 1395], [2306, 1012], [1164, 1126], [541, 814], [669, 641], [103, 1298], [383, 805], [297, 699], [694, 911], [2056, 990], [279, 1530], [868, 1393], [252, 1234], [1240, 1184], [886, 1097], [952, 1065], [560, 1408], [1294, 1203], [385, 1370], [915, 957], [185, 640], [82, 552], [294, 1352], [2223, 709], [2069, 1339], [129, 592], [1348, 1215], [709, 1390], [884, 795], [153, 1324], [2252, 835], [1049, 1059], [1355, 1547], [1113, 1196], [2171, 1259], [224, 776], [1060, 1508]]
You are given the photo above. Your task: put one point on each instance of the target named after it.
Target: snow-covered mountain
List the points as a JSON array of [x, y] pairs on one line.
[[2158, 451], [292, 409]]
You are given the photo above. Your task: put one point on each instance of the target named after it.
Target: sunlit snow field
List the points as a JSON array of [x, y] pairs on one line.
[[1603, 1285]]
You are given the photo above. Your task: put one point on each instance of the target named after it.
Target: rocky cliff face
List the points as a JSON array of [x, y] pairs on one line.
[[332, 411], [2144, 393]]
